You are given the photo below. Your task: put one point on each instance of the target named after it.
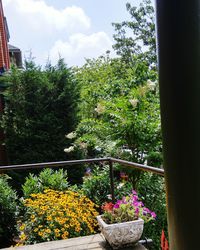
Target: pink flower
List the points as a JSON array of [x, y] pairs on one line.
[[134, 192], [153, 214]]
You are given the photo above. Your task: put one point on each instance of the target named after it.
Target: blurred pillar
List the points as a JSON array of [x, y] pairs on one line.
[[178, 33]]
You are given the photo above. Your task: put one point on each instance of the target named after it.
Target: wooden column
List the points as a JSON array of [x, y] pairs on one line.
[[178, 32]]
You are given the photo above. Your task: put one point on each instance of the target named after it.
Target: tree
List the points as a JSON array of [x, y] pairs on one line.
[[141, 45], [117, 111], [40, 108]]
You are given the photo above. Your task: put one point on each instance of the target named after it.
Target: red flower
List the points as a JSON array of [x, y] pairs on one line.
[[108, 206], [164, 242]]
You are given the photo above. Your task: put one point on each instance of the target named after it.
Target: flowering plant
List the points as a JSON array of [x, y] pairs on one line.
[[129, 208], [55, 215]]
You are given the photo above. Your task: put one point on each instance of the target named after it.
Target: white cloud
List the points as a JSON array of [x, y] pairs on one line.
[[39, 16], [48, 31], [80, 46]]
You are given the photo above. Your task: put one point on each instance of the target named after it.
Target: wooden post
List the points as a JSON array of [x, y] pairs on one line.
[[178, 32]]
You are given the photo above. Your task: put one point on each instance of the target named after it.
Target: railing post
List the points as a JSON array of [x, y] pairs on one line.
[[112, 181]]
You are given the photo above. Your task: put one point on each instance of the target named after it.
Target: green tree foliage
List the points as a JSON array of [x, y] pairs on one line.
[[136, 38], [40, 108], [8, 212], [115, 111]]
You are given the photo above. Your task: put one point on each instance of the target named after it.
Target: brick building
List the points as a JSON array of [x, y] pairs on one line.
[[8, 54], [4, 37]]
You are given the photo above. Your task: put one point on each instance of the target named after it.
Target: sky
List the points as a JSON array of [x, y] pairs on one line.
[[72, 29]]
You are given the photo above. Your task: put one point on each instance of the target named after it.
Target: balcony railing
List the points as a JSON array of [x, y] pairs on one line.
[[109, 160]]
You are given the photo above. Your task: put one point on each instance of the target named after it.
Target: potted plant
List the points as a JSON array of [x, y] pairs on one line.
[[122, 223]]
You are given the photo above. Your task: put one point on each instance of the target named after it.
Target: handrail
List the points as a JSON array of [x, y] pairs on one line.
[[51, 164], [110, 161], [77, 162], [139, 166]]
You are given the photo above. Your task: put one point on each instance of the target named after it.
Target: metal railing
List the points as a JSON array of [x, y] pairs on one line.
[[109, 160]]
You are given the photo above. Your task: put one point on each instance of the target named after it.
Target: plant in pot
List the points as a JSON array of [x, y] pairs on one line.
[[122, 223]]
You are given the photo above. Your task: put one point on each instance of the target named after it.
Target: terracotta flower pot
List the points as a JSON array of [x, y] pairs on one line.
[[123, 234]]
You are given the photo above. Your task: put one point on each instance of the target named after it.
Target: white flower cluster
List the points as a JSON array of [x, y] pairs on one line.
[[151, 85], [134, 102], [71, 135], [68, 150], [100, 108]]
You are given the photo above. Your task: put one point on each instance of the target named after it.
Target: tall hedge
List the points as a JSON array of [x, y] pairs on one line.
[[40, 109]]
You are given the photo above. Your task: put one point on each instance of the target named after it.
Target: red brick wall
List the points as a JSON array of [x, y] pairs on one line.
[[4, 62], [4, 53]]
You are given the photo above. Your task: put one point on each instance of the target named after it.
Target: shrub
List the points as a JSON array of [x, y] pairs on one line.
[[55, 215], [8, 212], [151, 189], [96, 186], [48, 178]]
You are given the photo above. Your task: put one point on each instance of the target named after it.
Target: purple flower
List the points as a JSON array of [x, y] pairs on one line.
[[137, 211], [135, 198], [134, 192], [141, 204], [116, 205], [88, 171], [146, 210], [131, 204], [138, 204], [123, 201], [153, 214]]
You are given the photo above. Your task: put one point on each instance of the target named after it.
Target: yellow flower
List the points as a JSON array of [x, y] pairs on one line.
[[64, 236], [40, 233], [48, 230], [23, 236], [60, 214], [22, 227], [49, 218], [56, 230]]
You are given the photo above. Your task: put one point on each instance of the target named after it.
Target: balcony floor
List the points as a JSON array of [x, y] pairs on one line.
[[92, 242]]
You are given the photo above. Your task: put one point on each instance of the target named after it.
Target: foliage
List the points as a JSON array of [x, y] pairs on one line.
[[105, 78], [54, 215], [48, 178], [141, 44], [8, 212], [134, 121], [40, 108], [116, 112], [97, 187], [129, 208], [151, 189]]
